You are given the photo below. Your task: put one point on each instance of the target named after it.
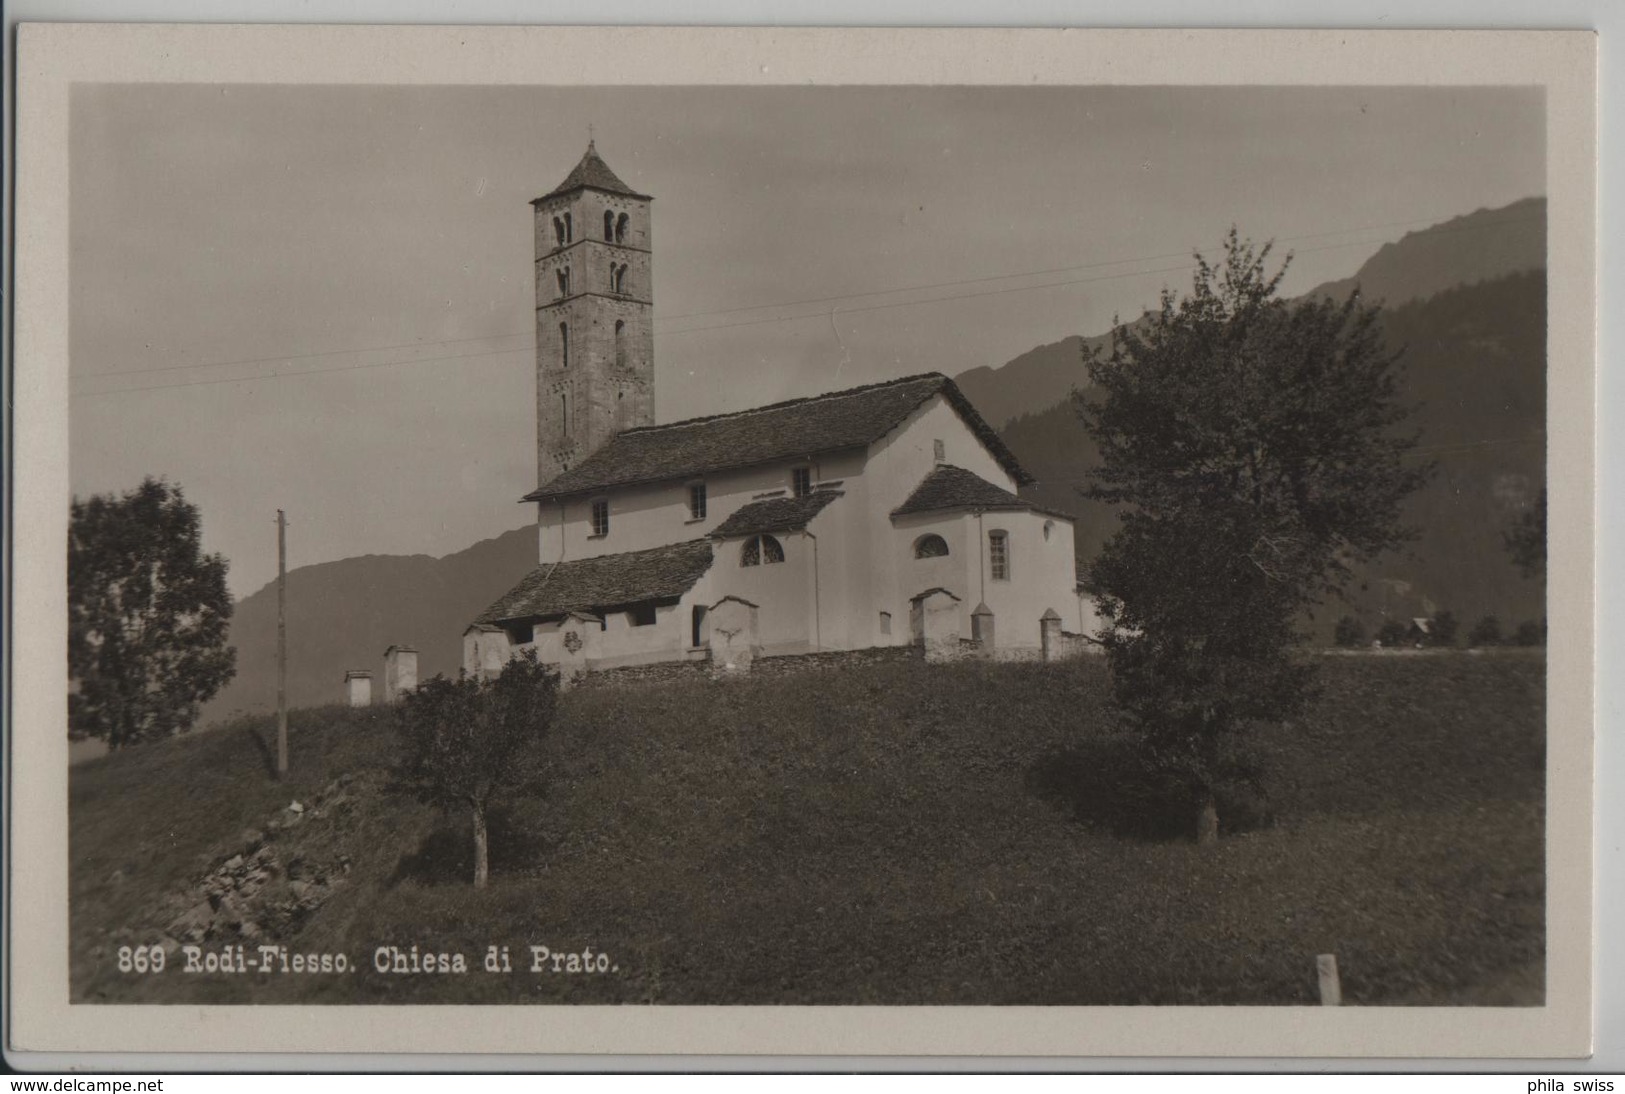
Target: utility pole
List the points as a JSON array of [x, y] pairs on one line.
[[281, 645]]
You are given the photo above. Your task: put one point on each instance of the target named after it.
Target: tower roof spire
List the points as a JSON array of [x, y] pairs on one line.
[[593, 173]]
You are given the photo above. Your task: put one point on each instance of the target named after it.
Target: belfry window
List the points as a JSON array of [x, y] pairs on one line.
[[558, 232], [609, 226], [931, 546], [761, 549], [569, 229], [620, 229], [564, 345]]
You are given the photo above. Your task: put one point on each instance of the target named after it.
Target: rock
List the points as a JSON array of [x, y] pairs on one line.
[[116, 877], [194, 921], [249, 929], [299, 889], [235, 862], [169, 946], [295, 807]]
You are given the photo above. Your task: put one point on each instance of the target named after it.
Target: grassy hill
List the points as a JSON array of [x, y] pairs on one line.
[[905, 834]]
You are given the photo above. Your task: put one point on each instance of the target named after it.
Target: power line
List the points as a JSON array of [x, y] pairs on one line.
[[750, 322]]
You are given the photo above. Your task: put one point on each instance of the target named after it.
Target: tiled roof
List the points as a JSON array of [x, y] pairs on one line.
[[796, 429], [595, 173], [608, 581], [950, 487], [775, 514]]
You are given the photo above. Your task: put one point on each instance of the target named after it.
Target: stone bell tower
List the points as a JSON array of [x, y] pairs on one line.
[[594, 315]]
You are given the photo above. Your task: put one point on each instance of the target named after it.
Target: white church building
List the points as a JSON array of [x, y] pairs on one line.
[[884, 515]]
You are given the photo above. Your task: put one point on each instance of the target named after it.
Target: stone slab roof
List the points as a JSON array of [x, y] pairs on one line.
[[592, 172], [950, 487], [775, 515], [603, 583], [797, 429]]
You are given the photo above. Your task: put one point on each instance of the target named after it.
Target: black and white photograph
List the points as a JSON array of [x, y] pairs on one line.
[[930, 545]]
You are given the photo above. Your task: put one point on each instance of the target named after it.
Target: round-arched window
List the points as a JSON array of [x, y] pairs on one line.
[[931, 546], [761, 549], [1049, 527]]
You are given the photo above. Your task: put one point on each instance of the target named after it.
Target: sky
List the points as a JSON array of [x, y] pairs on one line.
[[320, 299]]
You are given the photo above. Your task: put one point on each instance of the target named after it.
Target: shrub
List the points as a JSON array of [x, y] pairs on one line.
[[1393, 633], [1350, 632], [1486, 632]]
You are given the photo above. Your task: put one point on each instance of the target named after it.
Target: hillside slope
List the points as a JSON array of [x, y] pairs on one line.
[[342, 615], [902, 834]]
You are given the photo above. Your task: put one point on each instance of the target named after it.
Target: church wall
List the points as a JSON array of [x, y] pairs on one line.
[[1043, 575], [782, 591]]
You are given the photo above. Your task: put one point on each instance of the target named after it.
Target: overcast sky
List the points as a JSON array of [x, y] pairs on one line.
[[223, 235]]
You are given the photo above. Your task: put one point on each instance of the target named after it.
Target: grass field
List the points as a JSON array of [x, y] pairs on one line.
[[894, 834]]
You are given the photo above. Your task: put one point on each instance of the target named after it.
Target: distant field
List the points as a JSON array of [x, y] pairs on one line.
[[895, 834]]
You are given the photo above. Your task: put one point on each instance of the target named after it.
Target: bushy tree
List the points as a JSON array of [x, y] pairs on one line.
[[1253, 447], [1486, 632], [1529, 633], [148, 613], [1393, 633], [1526, 539], [1349, 632], [466, 741], [1443, 628]]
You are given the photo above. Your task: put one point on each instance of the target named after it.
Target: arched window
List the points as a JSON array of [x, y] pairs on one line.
[[564, 412], [931, 546], [558, 232], [569, 229], [563, 276], [564, 345], [609, 226], [620, 343], [618, 276], [761, 549], [620, 229]]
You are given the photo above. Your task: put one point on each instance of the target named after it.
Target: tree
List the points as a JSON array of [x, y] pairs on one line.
[[147, 616], [1251, 445], [1526, 539], [1350, 632], [1486, 632], [1530, 633], [1443, 629], [466, 741], [1392, 634]]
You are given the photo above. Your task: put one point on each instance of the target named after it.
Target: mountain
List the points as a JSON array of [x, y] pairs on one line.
[[341, 615], [1480, 246]]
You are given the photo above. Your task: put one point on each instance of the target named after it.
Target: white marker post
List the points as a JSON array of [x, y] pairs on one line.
[[1331, 992]]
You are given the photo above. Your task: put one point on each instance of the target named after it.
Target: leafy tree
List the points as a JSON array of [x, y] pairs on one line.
[[466, 741], [1486, 632], [1529, 633], [1526, 539], [1251, 445], [1444, 627], [1393, 633], [1349, 632], [147, 616]]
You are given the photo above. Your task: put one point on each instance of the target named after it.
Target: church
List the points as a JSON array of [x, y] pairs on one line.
[[882, 515]]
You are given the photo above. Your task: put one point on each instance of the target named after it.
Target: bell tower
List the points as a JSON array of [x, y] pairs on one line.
[[594, 315]]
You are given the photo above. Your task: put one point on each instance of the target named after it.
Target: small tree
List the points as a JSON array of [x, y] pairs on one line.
[[1349, 632], [466, 741], [148, 613], [1393, 633], [1442, 630], [1250, 443], [1529, 633], [1486, 632], [1526, 539]]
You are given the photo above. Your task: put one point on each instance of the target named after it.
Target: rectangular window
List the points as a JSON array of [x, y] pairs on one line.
[[600, 517], [696, 501], [939, 451], [998, 556], [801, 481], [641, 615]]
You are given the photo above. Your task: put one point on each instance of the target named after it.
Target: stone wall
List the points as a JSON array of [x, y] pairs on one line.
[[789, 664], [658, 672]]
